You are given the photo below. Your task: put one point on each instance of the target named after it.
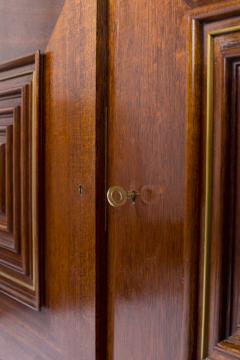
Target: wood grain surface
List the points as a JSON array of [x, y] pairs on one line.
[[146, 134], [121, 109], [65, 328], [211, 217]]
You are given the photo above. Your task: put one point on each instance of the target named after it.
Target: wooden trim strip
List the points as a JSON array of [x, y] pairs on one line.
[[208, 185]]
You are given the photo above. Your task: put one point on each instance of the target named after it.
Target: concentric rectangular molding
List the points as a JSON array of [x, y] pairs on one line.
[[214, 124], [19, 179]]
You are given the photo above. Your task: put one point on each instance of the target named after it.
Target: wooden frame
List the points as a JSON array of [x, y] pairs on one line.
[[213, 113], [19, 224]]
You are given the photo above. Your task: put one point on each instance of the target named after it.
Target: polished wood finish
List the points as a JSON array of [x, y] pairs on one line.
[[146, 135], [211, 200], [151, 262], [128, 283], [65, 326], [19, 226]]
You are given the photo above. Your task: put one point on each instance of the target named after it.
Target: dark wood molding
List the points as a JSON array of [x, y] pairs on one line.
[[20, 148], [196, 3], [212, 173], [101, 178]]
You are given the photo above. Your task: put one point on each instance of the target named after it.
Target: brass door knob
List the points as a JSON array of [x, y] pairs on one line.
[[117, 196]]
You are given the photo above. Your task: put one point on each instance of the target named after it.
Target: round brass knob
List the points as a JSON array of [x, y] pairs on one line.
[[117, 196]]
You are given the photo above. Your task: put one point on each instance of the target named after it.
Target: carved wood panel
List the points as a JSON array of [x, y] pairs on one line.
[[19, 179], [214, 121]]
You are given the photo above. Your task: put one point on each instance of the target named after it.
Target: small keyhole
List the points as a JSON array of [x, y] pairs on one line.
[[132, 195], [81, 189]]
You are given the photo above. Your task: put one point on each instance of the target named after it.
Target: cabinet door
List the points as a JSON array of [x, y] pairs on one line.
[[146, 154], [64, 326], [173, 151]]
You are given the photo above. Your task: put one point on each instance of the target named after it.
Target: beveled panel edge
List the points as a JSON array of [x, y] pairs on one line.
[[36, 61], [209, 175], [198, 3], [19, 62], [197, 18]]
